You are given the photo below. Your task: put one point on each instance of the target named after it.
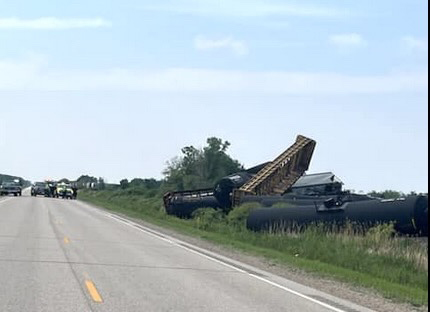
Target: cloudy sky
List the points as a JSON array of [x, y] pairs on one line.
[[116, 88]]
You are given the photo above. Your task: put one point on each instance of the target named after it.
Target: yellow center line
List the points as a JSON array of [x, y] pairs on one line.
[[93, 291], [66, 240]]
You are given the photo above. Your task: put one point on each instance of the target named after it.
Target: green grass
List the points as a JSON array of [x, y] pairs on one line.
[[397, 268]]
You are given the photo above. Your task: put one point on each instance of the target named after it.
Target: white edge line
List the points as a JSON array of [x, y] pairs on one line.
[[142, 229], [6, 199]]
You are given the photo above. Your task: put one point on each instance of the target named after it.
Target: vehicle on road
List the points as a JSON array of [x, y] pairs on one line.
[[8, 188], [65, 191], [51, 189], [38, 188]]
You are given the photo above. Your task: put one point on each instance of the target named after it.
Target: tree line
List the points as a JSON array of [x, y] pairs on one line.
[[198, 168]]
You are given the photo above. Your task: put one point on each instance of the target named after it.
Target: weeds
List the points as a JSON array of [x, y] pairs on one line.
[[206, 218]]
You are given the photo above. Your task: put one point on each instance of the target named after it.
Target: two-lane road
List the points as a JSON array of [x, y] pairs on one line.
[[62, 255]]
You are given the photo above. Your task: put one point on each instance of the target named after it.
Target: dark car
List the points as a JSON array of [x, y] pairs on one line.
[[38, 188], [10, 188]]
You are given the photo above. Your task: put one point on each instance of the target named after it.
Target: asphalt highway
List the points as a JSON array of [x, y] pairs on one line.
[[63, 255]]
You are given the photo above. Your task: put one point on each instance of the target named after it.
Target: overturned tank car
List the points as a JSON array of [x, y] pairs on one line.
[[183, 204], [409, 215]]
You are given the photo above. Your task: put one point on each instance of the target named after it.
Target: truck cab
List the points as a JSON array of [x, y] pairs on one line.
[[8, 188]]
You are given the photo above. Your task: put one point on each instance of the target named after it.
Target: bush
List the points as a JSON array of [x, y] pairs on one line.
[[206, 218], [381, 233], [237, 217]]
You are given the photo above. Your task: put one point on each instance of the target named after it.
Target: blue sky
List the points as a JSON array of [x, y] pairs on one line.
[[131, 82]]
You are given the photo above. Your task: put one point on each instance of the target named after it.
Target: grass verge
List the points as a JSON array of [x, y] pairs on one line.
[[397, 268]]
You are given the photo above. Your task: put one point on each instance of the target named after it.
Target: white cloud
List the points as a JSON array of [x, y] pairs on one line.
[[52, 23], [246, 8], [418, 44], [34, 74], [204, 44], [347, 40]]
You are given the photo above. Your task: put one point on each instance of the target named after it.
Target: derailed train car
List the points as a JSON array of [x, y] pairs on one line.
[[409, 215], [274, 177], [320, 198], [303, 205], [288, 196], [183, 204]]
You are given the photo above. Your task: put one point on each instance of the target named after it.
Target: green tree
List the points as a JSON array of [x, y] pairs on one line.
[[201, 168], [124, 184], [145, 183]]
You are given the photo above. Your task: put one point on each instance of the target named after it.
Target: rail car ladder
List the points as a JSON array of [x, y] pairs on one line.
[[279, 175]]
